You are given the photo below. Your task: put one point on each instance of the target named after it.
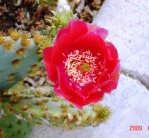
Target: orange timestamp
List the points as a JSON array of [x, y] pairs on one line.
[[137, 128]]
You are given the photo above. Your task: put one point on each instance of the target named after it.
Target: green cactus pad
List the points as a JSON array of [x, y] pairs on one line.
[[41, 104], [18, 56], [12, 126]]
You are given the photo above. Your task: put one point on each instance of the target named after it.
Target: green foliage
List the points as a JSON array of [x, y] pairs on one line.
[[59, 20]]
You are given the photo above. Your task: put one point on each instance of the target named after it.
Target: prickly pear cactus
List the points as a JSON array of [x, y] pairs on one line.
[[38, 104], [18, 56]]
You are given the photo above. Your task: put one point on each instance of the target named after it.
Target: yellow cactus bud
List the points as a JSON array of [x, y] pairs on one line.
[[2, 37], [15, 34], [8, 45], [24, 41], [38, 38]]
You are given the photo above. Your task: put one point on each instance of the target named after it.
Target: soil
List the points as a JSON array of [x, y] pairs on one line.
[[30, 16]]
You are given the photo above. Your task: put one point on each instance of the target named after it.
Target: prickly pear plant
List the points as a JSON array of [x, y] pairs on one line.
[[38, 104], [18, 56]]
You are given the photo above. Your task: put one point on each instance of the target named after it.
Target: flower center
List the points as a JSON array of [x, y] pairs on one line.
[[85, 67], [81, 67]]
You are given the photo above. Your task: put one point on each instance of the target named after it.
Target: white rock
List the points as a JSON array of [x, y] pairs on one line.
[[42, 80], [129, 105], [62, 5]]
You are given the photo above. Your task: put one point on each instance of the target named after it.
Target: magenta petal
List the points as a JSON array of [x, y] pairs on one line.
[[66, 89], [51, 71], [94, 98], [103, 33], [113, 81], [71, 32], [111, 85], [116, 72], [90, 41], [112, 50], [61, 85], [62, 32], [65, 38], [47, 53]]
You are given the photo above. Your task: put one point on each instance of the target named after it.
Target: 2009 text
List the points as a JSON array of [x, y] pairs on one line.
[[136, 128]]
